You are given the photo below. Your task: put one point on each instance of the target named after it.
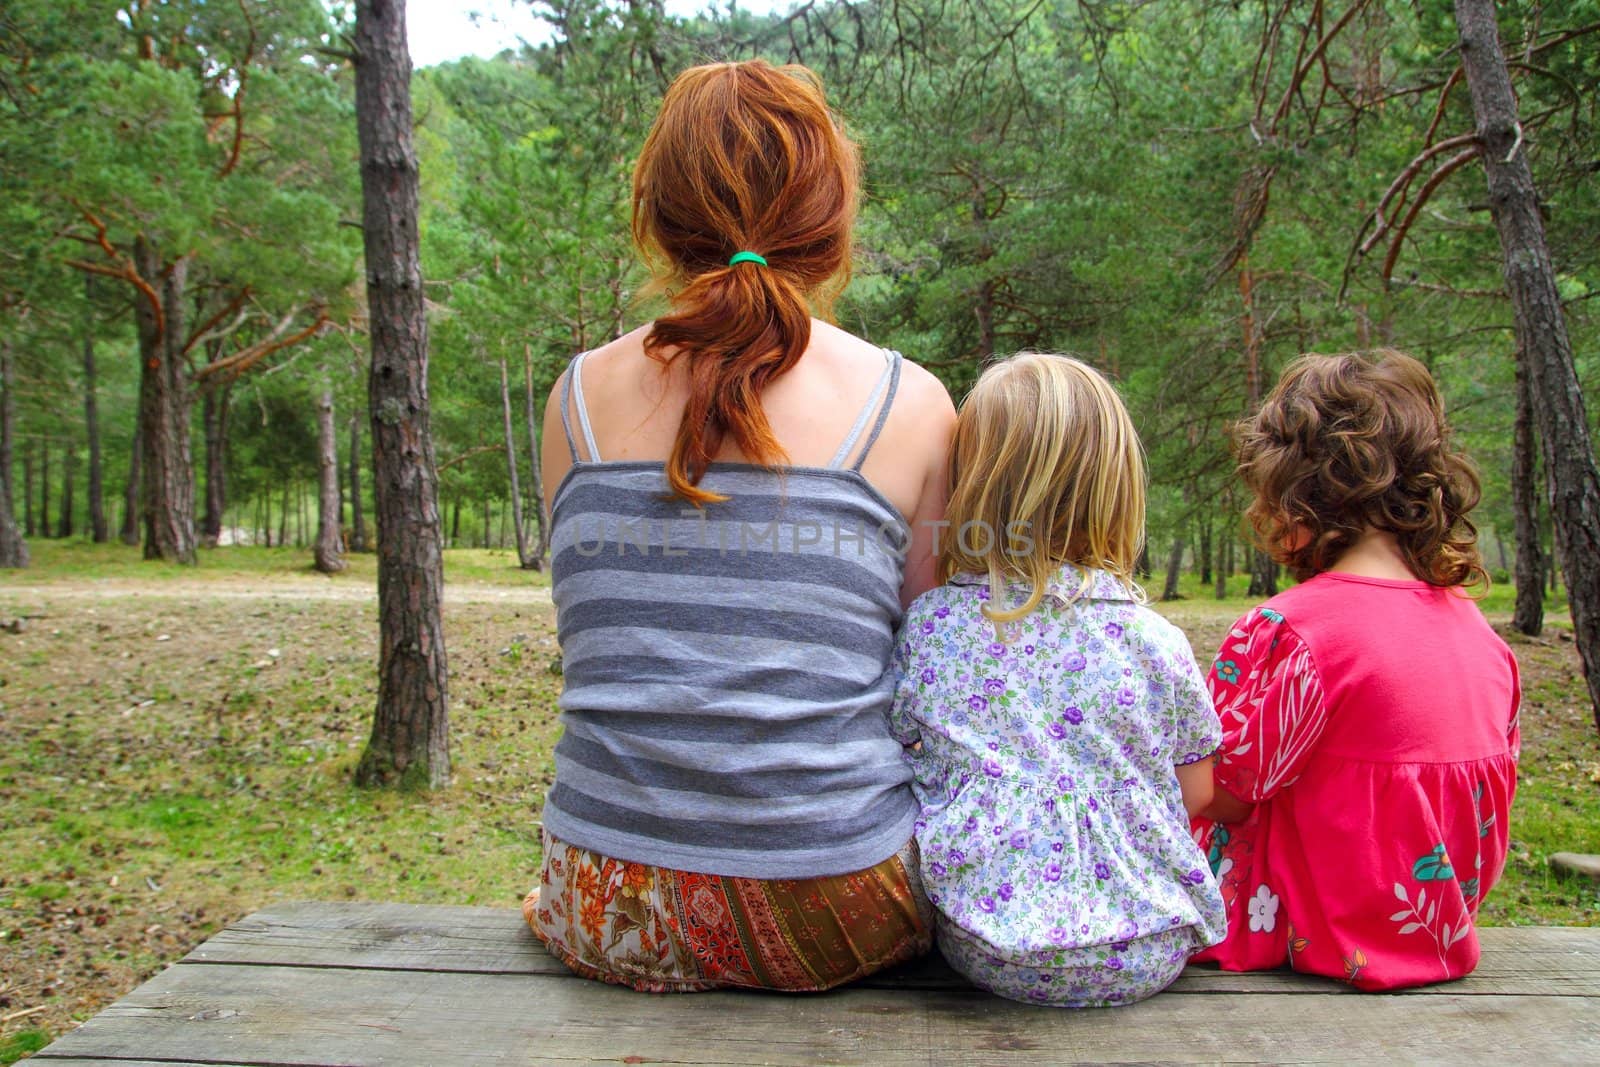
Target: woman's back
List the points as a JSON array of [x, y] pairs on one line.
[[726, 692], [731, 486], [635, 405]]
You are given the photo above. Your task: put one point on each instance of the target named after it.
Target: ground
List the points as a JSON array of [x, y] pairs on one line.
[[176, 748]]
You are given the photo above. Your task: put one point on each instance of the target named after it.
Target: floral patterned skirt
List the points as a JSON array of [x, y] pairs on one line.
[[665, 931], [1094, 976]]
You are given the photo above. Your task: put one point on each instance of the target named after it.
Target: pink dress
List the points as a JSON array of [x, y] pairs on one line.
[[1373, 723]]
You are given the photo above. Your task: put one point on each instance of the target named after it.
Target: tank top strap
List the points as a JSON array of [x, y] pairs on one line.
[[882, 400], [572, 398], [887, 381]]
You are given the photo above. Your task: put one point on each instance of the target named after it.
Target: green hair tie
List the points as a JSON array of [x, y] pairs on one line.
[[747, 257]]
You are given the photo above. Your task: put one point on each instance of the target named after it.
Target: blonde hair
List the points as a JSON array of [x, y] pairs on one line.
[[1047, 465]]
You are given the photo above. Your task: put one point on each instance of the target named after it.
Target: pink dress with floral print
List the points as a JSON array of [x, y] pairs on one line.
[[1373, 724]]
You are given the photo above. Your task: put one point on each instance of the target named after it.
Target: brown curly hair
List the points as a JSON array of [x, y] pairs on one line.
[[1354, 442]]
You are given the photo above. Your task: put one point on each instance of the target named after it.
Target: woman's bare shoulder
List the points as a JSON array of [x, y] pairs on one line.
[[618, 352], [924, 390], [919, 390]]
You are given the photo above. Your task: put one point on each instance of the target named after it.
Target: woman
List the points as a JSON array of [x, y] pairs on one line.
[[742, 500]]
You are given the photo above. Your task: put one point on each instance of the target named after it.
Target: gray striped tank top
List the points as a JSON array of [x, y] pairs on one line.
[[727, 671]]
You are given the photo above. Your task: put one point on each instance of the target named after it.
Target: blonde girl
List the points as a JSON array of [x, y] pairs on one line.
[[1059, 730]]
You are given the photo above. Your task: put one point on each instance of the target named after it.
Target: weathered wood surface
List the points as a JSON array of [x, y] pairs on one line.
[[305, 984], [1536, 961]]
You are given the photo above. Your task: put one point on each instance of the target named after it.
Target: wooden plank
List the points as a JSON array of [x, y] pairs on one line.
[[99, 1061], [1516, 960], [208, 1013], [389, 936]]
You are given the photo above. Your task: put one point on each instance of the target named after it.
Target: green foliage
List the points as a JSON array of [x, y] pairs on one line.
[[1091, 178]]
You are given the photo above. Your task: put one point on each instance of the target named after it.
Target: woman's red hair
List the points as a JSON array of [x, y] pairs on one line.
[[742, 157]]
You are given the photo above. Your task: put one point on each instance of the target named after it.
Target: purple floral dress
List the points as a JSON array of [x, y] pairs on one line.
[[1054, 841]]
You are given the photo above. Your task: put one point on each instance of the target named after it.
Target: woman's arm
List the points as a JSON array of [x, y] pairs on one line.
[[922, 433], [555, 457], [1195, 781]]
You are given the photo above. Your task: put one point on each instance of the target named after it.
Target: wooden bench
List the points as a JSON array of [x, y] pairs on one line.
[[403, 984]]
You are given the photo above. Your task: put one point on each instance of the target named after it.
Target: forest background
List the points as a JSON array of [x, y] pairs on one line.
[[1186, 194], [1158, 187]]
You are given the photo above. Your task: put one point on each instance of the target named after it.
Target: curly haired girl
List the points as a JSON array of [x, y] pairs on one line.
[[1369, 713]]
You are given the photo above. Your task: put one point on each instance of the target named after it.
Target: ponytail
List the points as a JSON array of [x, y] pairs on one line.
[[743, 157]]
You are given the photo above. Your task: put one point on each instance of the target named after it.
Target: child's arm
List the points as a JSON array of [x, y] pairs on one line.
[[1193, 732], [1195, 782], [1223, 806], [1269, 696]]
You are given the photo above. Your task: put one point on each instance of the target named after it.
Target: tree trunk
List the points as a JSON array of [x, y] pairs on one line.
[[486, 520], [215, 415], [69, 463], [7, 425], [1169, 591], [300, 533], [1252, 336], [13, 549], [1203, 553], [91, 422], [44, 487], [329, 552], [455, 522], [410, 742], [983, 309], [519, 531], [164, 401], [130, 492], [1263, 574], [535, 478], [1529, 615], [28, 526], [283, 517], [358, 522], [1541, 328], [1224, 564]]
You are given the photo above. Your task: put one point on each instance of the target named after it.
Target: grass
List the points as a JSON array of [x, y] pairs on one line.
[[169, 763], [176, 752], [15, 1046]]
